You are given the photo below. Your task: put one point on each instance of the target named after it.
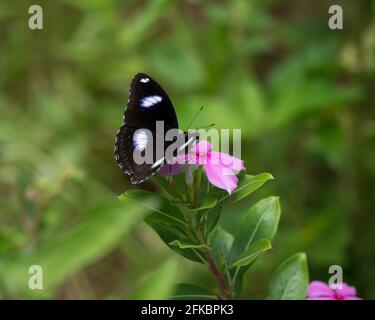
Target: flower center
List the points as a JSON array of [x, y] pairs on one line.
[[338, 296]]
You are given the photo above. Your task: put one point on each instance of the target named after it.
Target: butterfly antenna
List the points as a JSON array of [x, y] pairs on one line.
[[195, 116], [208, 126]]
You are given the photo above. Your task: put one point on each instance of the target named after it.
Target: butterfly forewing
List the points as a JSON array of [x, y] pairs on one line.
[[148, 103]]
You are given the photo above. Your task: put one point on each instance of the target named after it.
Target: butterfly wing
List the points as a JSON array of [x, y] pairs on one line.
[[124, 149], [147, 104]]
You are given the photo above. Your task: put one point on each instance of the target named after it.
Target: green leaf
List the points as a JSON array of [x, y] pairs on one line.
[[168, 234], [186, 291], [162, 183], [290, 280], [179, 185], [213, 217], [162, 212], [260, 222], [184, 244], [159, 284], [174, 188], [251, 253], [207, 203], [247, 185], [220, 242], [69, 251]]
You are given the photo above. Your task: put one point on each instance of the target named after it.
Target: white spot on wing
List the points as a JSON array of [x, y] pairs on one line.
[[149, 101], [145, 80], [140, 139]]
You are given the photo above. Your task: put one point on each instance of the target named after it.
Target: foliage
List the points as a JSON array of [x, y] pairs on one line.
[[290, 280], [186, 226]]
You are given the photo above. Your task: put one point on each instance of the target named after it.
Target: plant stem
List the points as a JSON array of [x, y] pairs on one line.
[[198, 186], [219, 276], [225, 290]]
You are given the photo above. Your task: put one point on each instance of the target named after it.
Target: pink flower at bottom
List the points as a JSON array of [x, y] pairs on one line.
[[319, 290]]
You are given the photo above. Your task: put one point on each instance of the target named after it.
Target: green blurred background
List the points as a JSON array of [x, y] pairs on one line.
[[301, 93]]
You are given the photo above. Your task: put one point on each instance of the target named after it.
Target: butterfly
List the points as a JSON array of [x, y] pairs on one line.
[[148, 104]]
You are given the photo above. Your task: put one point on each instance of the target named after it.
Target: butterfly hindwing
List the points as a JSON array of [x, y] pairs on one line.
[[124, 149]]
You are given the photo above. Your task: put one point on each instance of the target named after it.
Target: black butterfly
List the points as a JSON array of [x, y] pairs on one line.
[[147, 104]]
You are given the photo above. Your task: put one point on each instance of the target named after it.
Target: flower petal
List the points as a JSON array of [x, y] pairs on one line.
[[319, 289], [226, 160], [220, 177], [181, 158], [322, 298], [346, 290], [201, 147]]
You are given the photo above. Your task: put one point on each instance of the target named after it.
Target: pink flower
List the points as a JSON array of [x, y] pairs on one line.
[[220, 168], [319, 290]]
